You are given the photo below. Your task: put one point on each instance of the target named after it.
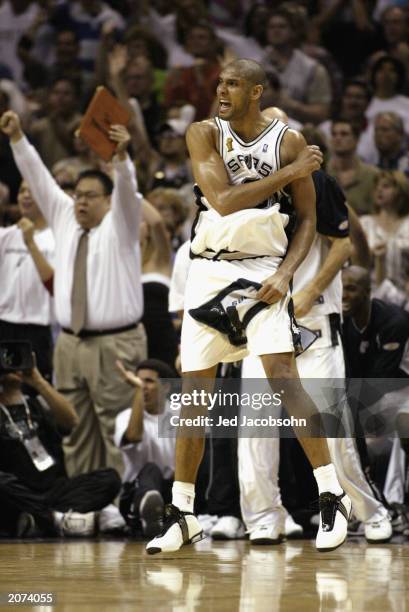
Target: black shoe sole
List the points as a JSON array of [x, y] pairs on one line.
[[384, 541], [267, 541], [151, 514]]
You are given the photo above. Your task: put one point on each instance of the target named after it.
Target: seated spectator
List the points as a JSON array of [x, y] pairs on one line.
[[376, 338], [171, 168], [149, 460], [356, 178], [352, 107], [67, 64], [170, 204], [25, 305], [196, 84], [37, 497], [53, 133], [305, 82], [387, 81], [252, 44], [391, 142], [139, 83], [16, 17], [156, 272], [141, 42], [172, 28], [86, 18], [348, 32], [395, 29], [387, 229]]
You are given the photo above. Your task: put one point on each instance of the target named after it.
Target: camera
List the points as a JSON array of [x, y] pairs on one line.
[[15, 355]]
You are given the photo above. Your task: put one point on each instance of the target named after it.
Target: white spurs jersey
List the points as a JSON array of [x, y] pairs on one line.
[[250, 161], [258, 231]]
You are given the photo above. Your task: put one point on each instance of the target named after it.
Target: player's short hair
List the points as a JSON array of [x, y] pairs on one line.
[[249, 70]]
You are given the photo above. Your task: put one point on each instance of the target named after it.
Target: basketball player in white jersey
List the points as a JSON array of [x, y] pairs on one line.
[[239, 243], [317, 294]]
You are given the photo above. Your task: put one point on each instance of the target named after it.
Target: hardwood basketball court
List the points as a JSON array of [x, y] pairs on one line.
[[221, 576]]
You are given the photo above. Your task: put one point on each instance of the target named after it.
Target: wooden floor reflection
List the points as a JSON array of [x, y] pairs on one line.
[[217, 576]]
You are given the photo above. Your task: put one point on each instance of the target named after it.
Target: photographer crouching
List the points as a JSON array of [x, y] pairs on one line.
[[37, 497]]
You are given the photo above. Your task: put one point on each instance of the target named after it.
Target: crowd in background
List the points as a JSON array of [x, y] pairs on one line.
[[339, 69]]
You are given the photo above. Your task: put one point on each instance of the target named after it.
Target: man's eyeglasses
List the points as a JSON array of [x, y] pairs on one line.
[[87, 195]]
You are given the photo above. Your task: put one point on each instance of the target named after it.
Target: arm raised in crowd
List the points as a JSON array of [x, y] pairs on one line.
[[126, 201], [44, 269], [49, 195], [134, 431]]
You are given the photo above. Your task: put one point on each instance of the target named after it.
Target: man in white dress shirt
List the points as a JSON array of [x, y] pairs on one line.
[[97, 289], [25, 304]]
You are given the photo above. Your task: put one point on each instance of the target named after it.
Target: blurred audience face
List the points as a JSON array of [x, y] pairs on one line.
[[91, 202], [169, 206], [258, 21], [139, 78], [355, 292], [62, 99], [279, 33], [92, 7], [386, 77], [171, 144], [26, 204], [395, 25], [389, 134], [343, 139], [200, 42], [189, 10], [354, 102], [153, 392], [385, 194], [66, 47]]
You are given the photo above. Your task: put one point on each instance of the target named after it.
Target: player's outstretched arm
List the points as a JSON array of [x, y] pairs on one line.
[[211, 176]]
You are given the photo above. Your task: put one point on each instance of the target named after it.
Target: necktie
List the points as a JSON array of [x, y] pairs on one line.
[[79, 286]]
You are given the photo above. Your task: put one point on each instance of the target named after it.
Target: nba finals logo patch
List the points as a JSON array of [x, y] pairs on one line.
[[229, 144]]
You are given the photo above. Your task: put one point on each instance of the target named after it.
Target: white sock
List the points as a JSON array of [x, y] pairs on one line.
[[327, 479], [183, 495]]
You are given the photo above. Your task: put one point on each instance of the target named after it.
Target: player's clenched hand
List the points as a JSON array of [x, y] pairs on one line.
[[273, 289], [11, 126], [308, 160], [303, 302]]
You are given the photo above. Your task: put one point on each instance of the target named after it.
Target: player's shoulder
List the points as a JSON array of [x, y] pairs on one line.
[[204, 132], [207, 126]]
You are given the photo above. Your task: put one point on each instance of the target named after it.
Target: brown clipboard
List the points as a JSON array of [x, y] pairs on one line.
[[103, 111]]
